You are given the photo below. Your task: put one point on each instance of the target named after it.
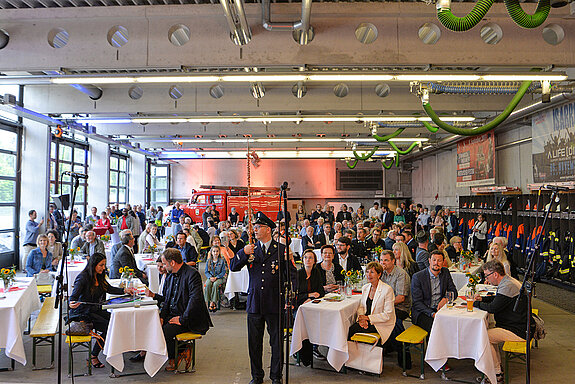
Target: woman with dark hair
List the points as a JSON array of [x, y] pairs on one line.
[[216, 271], [54, 246], [90, 288]]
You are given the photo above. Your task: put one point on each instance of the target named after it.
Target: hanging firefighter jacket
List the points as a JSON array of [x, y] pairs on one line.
[[565, 258]]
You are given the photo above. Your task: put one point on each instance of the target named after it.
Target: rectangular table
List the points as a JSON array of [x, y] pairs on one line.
[[326, 323], [459, 334], [15, 310], [237, 282], [136, 329], [147, 263], [73, 271], [460, 277]]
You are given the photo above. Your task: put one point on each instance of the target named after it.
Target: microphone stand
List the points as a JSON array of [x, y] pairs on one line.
[[529, 283], [286, 289], [62, 286]]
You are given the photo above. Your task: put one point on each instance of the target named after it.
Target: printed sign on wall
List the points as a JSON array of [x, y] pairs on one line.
[[476, 161], [553, 144]]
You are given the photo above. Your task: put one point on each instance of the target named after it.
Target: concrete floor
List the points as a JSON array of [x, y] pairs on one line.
[[223, 358]]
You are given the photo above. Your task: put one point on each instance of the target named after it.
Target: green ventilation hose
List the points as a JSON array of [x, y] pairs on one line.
[[397, 150], [390, 136], [365, 157], [351, 166], [477, 130], [391, 162], [461, 24], [430, 127], [523, 19]]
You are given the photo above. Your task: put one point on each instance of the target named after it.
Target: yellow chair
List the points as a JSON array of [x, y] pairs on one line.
[[44, 331], [417, 337], [368, 338], [44, 291], [514, 350], [76, 342], [187, 340]]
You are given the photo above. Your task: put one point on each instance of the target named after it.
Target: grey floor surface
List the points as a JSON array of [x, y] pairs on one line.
[[222, 358]]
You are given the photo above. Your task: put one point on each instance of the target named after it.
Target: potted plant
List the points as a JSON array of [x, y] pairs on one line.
[[352, 281], [8, 275], [127, 274]]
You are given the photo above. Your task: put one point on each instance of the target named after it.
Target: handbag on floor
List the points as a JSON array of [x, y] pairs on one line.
[[365, 357]]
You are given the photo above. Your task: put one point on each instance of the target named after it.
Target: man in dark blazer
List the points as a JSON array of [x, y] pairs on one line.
[[344, 256], [429, 289], [125, 258], [343, 214], [387, 217], [309, 241], [326, 236], [183, 308], [264, 296], [410, 242]]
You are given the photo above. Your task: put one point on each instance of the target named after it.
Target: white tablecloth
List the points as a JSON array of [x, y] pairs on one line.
[[15, 309], [136, 329], [326, 323], [237, 282], [73, 271], [459, 334], [295, 246], [147, 263], [460, 277]]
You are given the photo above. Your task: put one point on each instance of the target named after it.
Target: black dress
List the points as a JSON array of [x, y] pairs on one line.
[[86, 291]]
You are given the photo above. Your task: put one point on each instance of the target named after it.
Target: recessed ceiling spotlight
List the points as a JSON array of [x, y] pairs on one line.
[[320, 134], [198, 136], [296, 135], [271, 135], [247, 135], [222, 136], [345, 135]]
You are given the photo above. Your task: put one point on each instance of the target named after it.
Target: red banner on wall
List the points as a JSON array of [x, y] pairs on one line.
[[476, 161]]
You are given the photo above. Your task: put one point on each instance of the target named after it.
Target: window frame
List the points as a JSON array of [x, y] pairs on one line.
[[115, 153], [149, 181]]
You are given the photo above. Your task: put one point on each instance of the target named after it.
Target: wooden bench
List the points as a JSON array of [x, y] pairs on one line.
[[417, 337], [187, 340], [76, 342], [44, 331]]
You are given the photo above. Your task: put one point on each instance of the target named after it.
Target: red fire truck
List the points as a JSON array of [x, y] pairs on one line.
[[265, 199]]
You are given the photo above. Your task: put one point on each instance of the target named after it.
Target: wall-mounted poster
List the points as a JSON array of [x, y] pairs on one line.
[[476, 161], [553, 144]]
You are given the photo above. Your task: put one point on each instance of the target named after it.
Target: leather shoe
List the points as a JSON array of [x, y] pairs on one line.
[[256, 381]]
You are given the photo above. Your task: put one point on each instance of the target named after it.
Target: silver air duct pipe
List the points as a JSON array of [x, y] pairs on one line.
[[240, 32], [4, 39], [303, 28]]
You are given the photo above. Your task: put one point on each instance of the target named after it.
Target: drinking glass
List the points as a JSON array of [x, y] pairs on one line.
[[469, 298], [450, 299]]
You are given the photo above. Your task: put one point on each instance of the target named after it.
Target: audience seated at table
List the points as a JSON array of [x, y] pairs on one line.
[[325, 237], [375, 240], [359, 245], [429, 289], [79, 240], [91, 286], [454, 248], [422, 253], [116, 247], [159, 296], [125, 258], [309, 241], [331, 273], [400, 282], [496, 252], [510, 324], [183, 309], [215, 271], [93, 245], [189, 254], [344, 257], [54, 246], [389, 240], [104, 222], [310, 287], [142, 245], [225, 251], [409, 240], [404, 260], [151, 239], [235, 243], [376, 312], [39, 259], [359, 215]]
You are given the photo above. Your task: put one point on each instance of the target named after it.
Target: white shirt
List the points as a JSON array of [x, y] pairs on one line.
[[343, 262], [266, 246], [375, 213]]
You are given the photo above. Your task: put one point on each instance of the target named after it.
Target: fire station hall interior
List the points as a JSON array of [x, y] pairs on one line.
[[448, 122]]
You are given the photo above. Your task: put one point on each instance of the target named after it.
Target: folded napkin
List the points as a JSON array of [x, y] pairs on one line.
[[13, 289]]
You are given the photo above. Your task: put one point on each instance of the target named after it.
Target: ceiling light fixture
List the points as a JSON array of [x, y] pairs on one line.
[[313, 154]]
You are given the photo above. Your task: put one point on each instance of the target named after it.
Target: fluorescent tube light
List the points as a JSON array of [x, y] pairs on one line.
[[343, 77]]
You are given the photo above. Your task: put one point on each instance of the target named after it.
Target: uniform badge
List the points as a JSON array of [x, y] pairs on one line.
[[275, 267]]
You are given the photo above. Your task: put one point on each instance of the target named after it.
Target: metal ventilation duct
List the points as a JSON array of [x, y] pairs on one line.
[[240, 32], [95, 93], [303, 26]]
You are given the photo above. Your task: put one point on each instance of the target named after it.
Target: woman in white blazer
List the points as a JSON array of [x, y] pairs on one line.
[[376, 311]]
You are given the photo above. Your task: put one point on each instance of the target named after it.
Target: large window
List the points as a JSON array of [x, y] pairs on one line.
[[118, 177], [9, 192], [158, 182], [67, 154]]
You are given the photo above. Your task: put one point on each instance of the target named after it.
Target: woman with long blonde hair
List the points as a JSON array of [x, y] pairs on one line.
[[496, 251], [403, 258]]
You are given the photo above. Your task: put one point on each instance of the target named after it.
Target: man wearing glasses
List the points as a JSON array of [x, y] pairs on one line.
[[509, 324], [264, 295]]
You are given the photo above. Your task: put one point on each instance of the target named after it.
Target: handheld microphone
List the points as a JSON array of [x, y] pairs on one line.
[[74, 174], [556, 187]]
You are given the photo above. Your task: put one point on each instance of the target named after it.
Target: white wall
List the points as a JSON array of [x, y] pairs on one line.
[[98, 175], [35, 180], [137, 185], [307, 179], [436, 174]]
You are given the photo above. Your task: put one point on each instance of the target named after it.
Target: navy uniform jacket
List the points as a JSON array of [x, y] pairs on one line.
[[263, 290]]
